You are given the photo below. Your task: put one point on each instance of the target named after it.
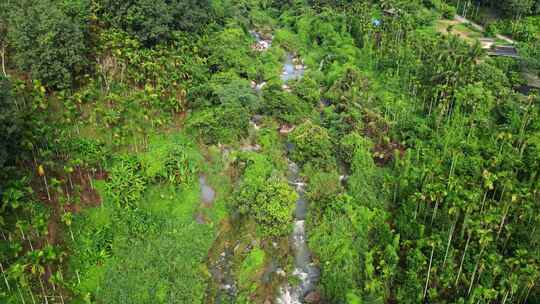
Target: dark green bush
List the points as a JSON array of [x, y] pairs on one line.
[[283, 105], [221, 124], [152, 21], [265, 197], [229, 49], [228, 88], [12, 128], [312, 143], [349, 145], [448, 11], [492, 30], [50, 43]]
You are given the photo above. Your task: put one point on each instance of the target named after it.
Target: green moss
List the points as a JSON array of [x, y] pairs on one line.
[[251, 267]]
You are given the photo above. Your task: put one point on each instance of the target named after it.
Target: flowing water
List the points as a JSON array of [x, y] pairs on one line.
[[207, 199], [207, 193], [261, 44], [221, 271], [305, 270], [292, 68], [221, 267]]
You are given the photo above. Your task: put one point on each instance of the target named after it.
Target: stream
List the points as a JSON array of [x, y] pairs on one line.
[[293, 68], [208, 194], [305, 270], [221, 267], [222, 274]]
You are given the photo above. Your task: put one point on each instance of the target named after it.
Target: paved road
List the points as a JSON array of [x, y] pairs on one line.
[[481, 28]]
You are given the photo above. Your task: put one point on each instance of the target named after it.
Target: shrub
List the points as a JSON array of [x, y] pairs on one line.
[[270, 201], [173, 274], [148, 20], [152, 21], [49, 43], [308, 89], [349, 145], [229, 89], [287, 40], [322, 188], [340, 240], [222, 124], [12, 128], [91, 152], [180, 169], [267, 198], [492, 30], [311, 144], [230, 50], [365, 183], [282, 105], [253, 263], [448, 11], [126, 184]]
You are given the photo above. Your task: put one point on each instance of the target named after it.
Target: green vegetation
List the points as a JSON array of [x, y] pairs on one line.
[[153, 21], [51, 39], [265, 197], [150, 151], [114, 246], [311, 144]]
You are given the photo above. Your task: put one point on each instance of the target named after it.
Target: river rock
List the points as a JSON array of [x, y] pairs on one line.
[[314, 297], [250, 148], [257, 118], [259, 86], [286, 129]]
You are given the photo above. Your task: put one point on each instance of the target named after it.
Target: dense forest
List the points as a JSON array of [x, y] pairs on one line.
[[270, 151]]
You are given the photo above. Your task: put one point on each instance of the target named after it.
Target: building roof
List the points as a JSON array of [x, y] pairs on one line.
[[391, 11], [503, 50]]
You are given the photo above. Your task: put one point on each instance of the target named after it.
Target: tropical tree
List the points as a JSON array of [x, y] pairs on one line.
[[153, 21], [49, 44]]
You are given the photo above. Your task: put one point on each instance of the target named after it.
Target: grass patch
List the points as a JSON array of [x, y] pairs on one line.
[[152, 251], [464, 31]]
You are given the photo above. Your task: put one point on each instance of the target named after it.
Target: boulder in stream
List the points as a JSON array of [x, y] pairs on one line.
[[313, 297], [286, 129]]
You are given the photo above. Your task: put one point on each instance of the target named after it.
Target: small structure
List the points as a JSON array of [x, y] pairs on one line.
[[391, 12], [487, 43], [503, 50], [532, 85]]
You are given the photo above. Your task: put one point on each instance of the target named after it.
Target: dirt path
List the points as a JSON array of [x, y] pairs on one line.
[[478, 27]]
